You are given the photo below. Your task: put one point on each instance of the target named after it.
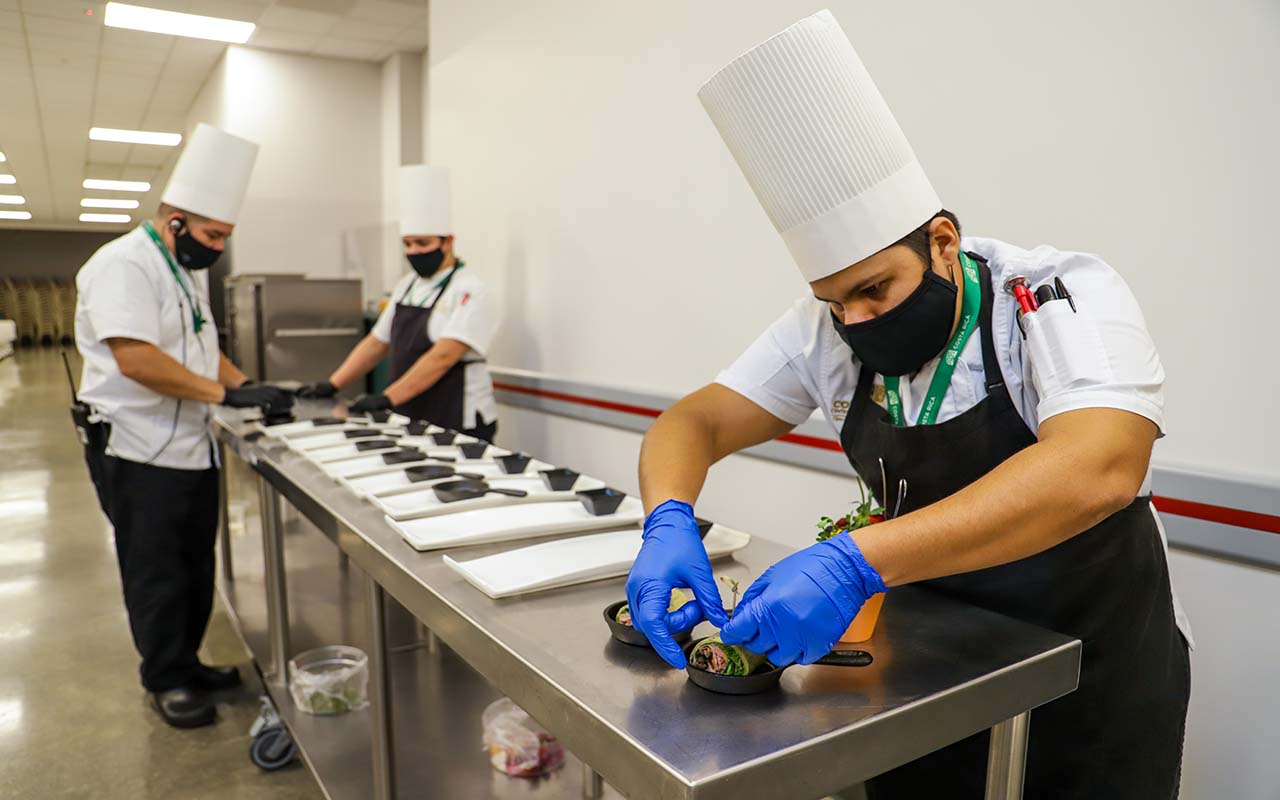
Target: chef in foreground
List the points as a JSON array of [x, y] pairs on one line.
[[152, 368], [1029, 482], [437, 329]]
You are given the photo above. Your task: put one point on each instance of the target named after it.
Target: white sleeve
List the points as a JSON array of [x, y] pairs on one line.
[[472, 318], [122, 303], [382, 328], [1113, 361], [771, 373]]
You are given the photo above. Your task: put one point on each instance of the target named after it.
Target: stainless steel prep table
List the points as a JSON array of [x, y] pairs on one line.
[[942, 671]]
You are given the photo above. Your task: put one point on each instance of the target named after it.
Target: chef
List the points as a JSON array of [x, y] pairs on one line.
[[1028, 492], [437, 329], [152, 368]]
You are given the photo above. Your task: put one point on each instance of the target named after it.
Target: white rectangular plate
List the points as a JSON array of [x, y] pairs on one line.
[[361, 466], [511, 523], [566, 562], [423, 503], [310, 444], [305, 428], [346, 452], [384, 484]]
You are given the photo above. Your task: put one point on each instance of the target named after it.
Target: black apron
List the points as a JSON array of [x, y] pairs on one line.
[[1119, 735], [442, 403]]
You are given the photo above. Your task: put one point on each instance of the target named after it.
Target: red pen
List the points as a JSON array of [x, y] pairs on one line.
[[1017, 286]]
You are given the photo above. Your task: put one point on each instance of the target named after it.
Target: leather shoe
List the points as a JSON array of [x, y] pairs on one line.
[[184, 708], [216, 679]]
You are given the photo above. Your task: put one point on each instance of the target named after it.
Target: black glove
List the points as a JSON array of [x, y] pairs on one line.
[[370, 402], [271, 399], [248, 382], [322, 390]]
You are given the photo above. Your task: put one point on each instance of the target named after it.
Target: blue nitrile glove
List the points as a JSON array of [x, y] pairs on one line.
[[797, 610], [672, 557]]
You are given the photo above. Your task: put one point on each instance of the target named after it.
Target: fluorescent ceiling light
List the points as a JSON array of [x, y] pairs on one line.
[[105, 218], [12, 199], [15, 215], [134, 137], [117, 186], [1, 157], [154, 20], [103, 202], [6, 179]]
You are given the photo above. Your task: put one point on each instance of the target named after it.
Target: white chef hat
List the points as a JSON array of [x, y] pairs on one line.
[[819, 146], [424, 201], [212, 174]]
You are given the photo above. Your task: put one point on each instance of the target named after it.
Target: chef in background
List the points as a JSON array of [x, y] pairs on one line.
[[437, 329], [1028, 491], [152, 369]]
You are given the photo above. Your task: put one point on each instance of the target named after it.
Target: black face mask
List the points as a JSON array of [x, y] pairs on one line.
[[426, 264], [901, 340], [191, 253]]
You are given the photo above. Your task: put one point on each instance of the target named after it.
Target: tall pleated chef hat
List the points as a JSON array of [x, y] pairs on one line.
[[212, 174], [424, 201], [819, 146]]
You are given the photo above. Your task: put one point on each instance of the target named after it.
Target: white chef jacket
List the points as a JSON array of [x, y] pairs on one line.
[[465, 313], [126, 290], [800, 364]]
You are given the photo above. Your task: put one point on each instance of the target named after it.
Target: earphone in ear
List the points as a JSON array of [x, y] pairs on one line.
[[175, 225]]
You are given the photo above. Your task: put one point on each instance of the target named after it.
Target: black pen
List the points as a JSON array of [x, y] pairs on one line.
[[1063, 293], [1045, 294]]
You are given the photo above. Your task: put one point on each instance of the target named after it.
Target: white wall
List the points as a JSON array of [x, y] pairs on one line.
[[314, 204], [595, 196]]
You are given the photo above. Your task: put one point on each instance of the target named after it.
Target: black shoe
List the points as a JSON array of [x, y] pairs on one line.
[[216, 679], [184, 708]]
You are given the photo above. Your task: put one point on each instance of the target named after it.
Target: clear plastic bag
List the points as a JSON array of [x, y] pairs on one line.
[[329, 680], [517, 745]]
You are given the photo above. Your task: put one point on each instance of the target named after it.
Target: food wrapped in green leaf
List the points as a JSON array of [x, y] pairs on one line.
[[713, 655], [623, 617], [678, 598]]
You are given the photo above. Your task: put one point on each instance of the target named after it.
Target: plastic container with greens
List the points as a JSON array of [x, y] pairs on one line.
[[329, 680]]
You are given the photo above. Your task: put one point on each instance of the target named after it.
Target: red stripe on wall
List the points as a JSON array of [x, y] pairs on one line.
[[1169, 505], [1222, 514]]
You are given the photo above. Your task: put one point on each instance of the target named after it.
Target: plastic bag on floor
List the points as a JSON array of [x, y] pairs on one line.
[[517, 745]]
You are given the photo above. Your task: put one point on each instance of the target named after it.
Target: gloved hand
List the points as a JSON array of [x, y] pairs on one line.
[[321, 390], [370, 402], [672, 557], [799, 607], [271, 399]]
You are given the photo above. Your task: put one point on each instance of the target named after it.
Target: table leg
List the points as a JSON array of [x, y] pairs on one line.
[[380, 722], [592, 784], [277, 592], [1007, 758], [224, 526]]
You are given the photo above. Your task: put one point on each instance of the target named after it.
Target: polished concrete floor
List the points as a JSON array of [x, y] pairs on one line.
[[74, 721]]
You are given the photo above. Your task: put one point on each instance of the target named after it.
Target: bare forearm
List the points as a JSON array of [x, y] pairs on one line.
[[1040, 497], [229, 374], [362, 358], [149, 366], [677, 452]]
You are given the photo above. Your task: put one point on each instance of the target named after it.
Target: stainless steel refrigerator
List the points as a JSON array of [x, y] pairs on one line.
[[291, 327]]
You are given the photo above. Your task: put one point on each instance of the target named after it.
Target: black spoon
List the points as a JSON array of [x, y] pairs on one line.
[[434, 472], [454, 491]]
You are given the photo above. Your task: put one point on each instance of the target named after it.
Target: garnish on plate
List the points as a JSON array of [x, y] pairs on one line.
[[863, 514]]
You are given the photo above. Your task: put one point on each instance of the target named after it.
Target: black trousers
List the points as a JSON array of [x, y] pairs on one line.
[[165, 524]]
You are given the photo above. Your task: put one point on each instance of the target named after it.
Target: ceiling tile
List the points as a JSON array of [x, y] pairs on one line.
[[296, 21], [393, 13], [347, 48], [246, 10], [357, 29], [81, 29], [273, 39]]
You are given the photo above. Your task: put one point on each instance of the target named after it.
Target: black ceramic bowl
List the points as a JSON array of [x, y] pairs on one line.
[[417, 427], [381, 415], [474, 449], [602, 501], [629, 635], [513, 464], [704, 527], [444, 438], [560, 479]]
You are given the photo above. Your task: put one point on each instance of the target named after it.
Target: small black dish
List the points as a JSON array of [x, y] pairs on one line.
[[514, 463], [560, 479], [362, 433], [321, 422], [474, 449], [629, 635], [766, 678], [444, 438], [470, 489], [435, 472], [704, 527], [381, 415], [278, 419], [602, 501], [405, 455], [374, 444], [417, 427]]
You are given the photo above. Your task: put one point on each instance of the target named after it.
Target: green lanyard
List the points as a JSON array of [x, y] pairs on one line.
[[970, 306], [197, 318]]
